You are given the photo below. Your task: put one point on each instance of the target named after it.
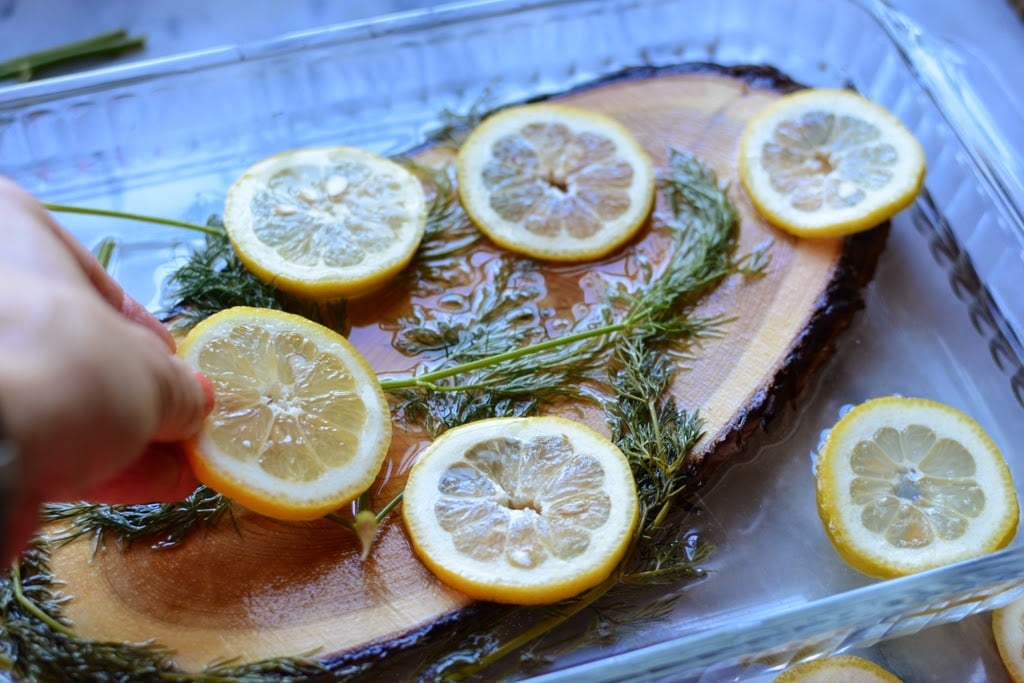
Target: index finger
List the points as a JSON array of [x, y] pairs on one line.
[[104, 285]]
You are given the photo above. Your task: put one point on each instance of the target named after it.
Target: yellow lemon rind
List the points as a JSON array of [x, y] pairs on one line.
[[837, 668], [1008, 633], [512, 585], [840, 518], [909, 177], [247, 485], [309, 282], [475, 150]]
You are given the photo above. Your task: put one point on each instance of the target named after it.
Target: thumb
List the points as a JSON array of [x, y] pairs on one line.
[[185, 398]]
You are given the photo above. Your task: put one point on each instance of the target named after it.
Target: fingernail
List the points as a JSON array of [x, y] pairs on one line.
[[208, 393]]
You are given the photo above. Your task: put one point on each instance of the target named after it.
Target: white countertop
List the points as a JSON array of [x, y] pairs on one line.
[[988, 34]]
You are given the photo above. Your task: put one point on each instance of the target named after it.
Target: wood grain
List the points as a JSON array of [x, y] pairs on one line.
[[262, 588]]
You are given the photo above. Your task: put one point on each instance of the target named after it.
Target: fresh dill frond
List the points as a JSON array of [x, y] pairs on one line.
[[37, 644], [440, 262], [214, 279], [283, 670], [105, 252], [498, 314], [657, 438], [647, 425], [438, 412], [659, 305], [164, 525], [704, 227], [455, 127]]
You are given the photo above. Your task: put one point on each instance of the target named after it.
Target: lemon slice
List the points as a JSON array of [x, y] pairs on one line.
[[826, 162], [907, 484], [837, 669], [326, 222], [521, 510], [300, 426], [1008, 630], [555, 182]]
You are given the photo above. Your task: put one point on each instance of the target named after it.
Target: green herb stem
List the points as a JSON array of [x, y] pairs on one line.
[[392, 504], [428, 379], [25, 67], [65, 208], [105, 251], [537, 630], [378, 516], [31, 607]]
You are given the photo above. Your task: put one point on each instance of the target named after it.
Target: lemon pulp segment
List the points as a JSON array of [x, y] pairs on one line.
[[824, 162], [555, 182], [521, 510], [300, 425], [906, 484], [326, 221]]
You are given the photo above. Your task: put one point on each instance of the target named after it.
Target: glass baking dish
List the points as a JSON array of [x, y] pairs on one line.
[[943, 317]]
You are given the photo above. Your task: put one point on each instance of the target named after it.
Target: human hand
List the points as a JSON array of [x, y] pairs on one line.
[[91, 395]]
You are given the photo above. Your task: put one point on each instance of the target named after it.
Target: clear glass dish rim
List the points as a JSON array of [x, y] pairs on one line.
[[1003, 174], [818, 620], [832, 614]]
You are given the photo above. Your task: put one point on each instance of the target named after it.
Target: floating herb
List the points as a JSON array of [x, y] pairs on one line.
[[214, 279], [657, 438], [36, 644], [506, 363], [163, 525], [493, 356], [440, 261]]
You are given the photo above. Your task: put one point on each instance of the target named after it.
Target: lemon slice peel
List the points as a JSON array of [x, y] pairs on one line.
[[300, 426], [555, 182], [326, 222], [1008, 633], [827, 162], [521, 510], [846, 668], [909, 484]]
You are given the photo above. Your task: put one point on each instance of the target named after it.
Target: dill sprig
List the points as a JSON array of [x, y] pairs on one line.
[[164, 525], [37, 644], [455, 126], [498, 314], [440, 263], [660, 306], [657, 438], [213, 279]]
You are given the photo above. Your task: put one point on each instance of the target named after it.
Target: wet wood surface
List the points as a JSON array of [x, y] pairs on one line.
[[260, 588]]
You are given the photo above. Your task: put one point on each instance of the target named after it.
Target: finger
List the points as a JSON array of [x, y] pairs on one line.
[[16, 204], [30, 244], [184, 399], [107, 287], [160, 475]]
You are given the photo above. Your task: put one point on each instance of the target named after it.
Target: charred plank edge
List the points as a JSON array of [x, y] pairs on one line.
[[833, 313]]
